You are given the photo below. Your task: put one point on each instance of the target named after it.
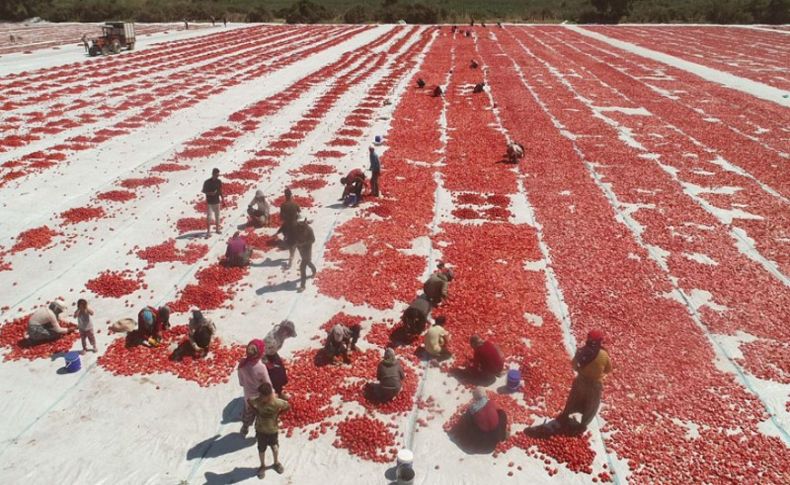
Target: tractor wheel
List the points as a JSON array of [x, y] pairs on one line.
[[115, 46], [94, 51]]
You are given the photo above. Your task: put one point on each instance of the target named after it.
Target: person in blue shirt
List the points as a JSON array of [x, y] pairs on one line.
[[375, 169]]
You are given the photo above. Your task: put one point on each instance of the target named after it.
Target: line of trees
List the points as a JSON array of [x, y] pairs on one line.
[[411, 11]]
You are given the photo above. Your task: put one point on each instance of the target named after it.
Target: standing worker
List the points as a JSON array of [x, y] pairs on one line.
[[591, 364], [304, 239], [375, 171], [267, 409], [252, 373], [289, 216], [213, 189]]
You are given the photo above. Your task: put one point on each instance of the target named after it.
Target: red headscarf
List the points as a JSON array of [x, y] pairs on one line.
[[249, 360], [589, 352]]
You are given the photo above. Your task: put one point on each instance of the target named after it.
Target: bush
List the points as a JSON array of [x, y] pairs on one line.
[[305, 12], [727, 12], [412, 13], [358, 14], [259, 14]]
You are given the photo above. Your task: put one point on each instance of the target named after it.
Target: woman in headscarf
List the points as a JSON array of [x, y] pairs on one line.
[[591, 364], [252, 373], [258, 210], [390, 377], [488, 422], [274, 364]]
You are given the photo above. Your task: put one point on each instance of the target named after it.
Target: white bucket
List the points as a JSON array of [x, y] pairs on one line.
[[404, 471], [405, 458]]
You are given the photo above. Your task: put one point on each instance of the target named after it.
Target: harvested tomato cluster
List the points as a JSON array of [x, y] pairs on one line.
[[115, 284], [189, 224], [142, 182], [220, 275], [169, 167], [168, 252], [200, 296], [214, 369], [37, 238], [81, 214], [13, 337], [316, 169], [329, 154], [367, 438], [308, 183], [117, 195]]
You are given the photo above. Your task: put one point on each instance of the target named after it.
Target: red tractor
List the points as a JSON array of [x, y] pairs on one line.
[[116, 36]]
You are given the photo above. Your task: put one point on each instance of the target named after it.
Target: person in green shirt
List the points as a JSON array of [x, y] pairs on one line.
[[267, 409]]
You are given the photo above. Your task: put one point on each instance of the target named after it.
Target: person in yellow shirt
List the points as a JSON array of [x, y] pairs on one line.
[[437, 339], [592, 365], [267, 409]]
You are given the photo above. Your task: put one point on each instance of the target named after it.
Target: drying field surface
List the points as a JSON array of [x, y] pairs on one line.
[[651, 203]]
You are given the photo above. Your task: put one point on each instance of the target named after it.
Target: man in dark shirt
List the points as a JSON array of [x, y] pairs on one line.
[[289, 215], [213, 190], [304, 239]]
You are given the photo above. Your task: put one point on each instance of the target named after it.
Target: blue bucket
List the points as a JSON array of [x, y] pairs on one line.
[[513, 379], [350, 200], [73, 363]]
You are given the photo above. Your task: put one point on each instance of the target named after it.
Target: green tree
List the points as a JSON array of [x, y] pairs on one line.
[[611, 11], [358, 14]]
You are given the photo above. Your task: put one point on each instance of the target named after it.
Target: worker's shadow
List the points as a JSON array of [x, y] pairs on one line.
[[270, 263], [467, 438], [217, 446], [284, 286], [400, 337], [193, 235], [232, 411], [549, 429], [238, 474], [470, 377]]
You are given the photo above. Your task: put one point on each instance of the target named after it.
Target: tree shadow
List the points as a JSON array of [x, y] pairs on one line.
[[236, 475], [232, 411], [284, 286], [215, 446]]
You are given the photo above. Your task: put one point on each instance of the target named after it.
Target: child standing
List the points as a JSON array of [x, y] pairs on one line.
[[84, 324], [267, 409]]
